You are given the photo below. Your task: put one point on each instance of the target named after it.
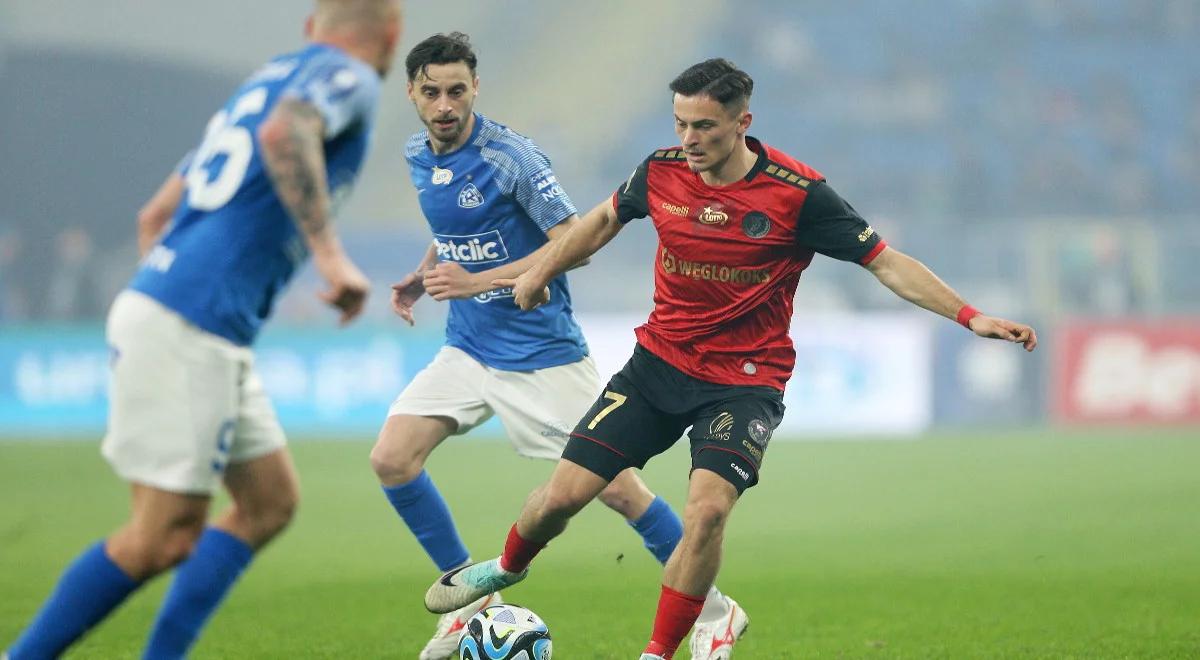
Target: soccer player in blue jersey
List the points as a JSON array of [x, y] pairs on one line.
[[187, 410], [494, 204]]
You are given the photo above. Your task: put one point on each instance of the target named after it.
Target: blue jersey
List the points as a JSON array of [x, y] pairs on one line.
[[489, 203], [231, 246]]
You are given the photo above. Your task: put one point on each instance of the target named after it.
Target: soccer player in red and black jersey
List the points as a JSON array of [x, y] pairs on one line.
[[738, 221]]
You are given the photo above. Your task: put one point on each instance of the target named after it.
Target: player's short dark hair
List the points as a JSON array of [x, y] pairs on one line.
[[718, 79], [440, 49]]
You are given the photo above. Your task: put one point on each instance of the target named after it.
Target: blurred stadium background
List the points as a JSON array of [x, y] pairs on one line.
[[1043, 156]]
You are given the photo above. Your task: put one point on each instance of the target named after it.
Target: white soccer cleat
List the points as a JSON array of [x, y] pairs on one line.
[[444, 644], [714, 640], [651, 656], [462, 586]]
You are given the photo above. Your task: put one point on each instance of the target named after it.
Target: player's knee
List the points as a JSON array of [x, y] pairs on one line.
[[147, 552], [394, 464], [616, 499], [627, 495], [705, 517], [272, 516], [625, 498], [561, 503], [178, 547], [278, 514]]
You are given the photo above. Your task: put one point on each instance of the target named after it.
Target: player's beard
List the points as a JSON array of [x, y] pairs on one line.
[[447, 133]]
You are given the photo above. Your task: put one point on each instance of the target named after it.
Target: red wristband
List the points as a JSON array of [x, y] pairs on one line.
[[965, 315]]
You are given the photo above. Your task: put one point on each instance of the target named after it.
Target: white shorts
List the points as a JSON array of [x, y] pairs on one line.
[[183, 403], [537, 408]]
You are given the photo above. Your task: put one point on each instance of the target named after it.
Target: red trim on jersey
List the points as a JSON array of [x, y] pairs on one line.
[[606, 446], [873, 253], [735, 453]]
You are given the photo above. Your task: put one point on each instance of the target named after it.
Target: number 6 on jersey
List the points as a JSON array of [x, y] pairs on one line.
[[224, 137]]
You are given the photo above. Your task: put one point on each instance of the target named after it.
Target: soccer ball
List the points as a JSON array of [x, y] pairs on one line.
[[505, 632]]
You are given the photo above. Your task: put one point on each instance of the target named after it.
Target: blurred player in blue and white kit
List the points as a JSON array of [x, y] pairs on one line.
[[188, 412], [494, 204]]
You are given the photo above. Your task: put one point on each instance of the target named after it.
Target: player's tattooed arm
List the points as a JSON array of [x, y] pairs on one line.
[[912, 280], [292, 142], [154, 215], [293, 151]]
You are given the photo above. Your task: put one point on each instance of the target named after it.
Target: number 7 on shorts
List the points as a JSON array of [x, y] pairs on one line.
[[616, 398]]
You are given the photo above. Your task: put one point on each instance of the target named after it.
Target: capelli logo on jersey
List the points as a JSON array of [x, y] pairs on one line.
[[865, 234], [441, 176], [672, 265], [676, 209], [755, 452], [482, 248], [740, 472]]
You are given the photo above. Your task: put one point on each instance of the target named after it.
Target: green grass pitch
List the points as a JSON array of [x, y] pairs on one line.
[[1042, 544]]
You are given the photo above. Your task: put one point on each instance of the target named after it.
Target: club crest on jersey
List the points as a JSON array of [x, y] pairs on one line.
[[759, 432], [470, 197], [756, 224], [712, 216], [441, 176]]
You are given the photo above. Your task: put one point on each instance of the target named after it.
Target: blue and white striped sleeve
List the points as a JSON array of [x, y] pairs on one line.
[[345, 92], [533, 184]]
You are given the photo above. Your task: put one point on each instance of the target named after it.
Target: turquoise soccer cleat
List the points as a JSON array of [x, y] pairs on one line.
[[465, 585]]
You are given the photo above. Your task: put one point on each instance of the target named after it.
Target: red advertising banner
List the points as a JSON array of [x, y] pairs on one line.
[[1128, 372]]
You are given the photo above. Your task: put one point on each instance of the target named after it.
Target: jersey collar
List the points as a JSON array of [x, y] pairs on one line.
[[759, 165]]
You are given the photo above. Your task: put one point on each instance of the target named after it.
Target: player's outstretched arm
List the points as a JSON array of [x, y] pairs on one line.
[[448, 280], [154, 215], [293, 151], [912, 280], [583, 240]]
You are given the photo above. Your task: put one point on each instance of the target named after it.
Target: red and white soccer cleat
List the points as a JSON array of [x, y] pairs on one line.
[[444, 644], [714, 640]]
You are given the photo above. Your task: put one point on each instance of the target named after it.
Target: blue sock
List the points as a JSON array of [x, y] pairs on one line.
[[90, 588], [660, 528], [200, 585], [425, 512]]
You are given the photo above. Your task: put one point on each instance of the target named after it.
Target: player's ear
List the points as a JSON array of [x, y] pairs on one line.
[[410, 89], [475, 85], [744, 121], [308, 26]]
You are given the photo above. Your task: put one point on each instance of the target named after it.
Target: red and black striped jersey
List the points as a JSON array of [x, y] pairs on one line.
[[729, 259]]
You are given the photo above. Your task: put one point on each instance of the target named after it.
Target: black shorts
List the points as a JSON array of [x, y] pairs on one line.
[[648, 404]]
